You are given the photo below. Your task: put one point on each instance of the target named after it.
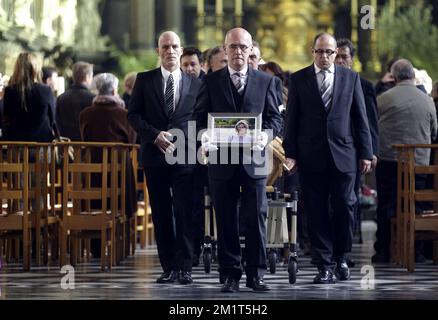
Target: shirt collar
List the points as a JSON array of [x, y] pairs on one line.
[[330, 70], [176, 74], [244, 71]]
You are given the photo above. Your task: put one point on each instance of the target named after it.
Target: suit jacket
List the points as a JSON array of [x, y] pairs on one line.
[[216, 96], [371, 107], [68, 107], [313, 134], [148, 116], [36, 123]]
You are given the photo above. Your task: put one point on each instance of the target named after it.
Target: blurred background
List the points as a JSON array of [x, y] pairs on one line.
[[119, 36]]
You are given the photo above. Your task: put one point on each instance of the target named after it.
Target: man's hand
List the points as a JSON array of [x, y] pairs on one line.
[[374, 163], [163, 143], [364, 166], [290, 164], [262, 141], [206, 144]]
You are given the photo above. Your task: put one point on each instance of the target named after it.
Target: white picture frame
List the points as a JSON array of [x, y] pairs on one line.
[[234, 129]]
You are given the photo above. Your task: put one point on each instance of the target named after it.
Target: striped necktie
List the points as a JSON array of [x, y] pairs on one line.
[[324, 89], [169, 96], [239, 82]]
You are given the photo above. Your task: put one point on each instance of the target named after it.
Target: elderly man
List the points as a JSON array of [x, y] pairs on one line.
[[239, 89], [406, 115], [163, 99], [327, 137]]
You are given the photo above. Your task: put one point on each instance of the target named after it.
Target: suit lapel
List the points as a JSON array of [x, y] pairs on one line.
[[225, 83], [185, 87], [249, 88], [337, 86], [159, 90]]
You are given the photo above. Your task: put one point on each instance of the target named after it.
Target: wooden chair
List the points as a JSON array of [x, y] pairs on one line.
[[84, 219], [14, 195], [144, 224], [44, 222], [408, 225]]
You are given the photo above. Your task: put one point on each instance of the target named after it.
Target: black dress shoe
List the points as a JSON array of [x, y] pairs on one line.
[[230, 285], [185, 277], [342, 271], [324, 276], [257, 284], [167, 277]]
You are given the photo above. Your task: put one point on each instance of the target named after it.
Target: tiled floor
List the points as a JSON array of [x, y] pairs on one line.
[[135, 279]]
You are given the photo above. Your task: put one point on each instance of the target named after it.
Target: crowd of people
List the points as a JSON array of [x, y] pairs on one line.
[[336, 126]]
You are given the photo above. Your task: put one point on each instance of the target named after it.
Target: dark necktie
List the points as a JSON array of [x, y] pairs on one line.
[[238, 82], [324, 89], [169, 96]]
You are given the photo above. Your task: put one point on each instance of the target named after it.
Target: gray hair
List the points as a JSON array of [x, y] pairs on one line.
[[403, 69], [106, 83]]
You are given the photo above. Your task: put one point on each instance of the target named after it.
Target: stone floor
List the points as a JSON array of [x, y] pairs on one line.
[[135, 279]]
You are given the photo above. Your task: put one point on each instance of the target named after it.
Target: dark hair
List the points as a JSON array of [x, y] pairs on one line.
[[47, 73], [344, 42], [319, 35], [214, 52], [391, 62], [191, 51], [276, 70]]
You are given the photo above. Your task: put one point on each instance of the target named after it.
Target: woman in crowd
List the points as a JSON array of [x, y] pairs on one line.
[[27, 114]]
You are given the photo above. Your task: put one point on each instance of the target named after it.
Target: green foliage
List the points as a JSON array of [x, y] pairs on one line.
[[129, 62], [409, 33]]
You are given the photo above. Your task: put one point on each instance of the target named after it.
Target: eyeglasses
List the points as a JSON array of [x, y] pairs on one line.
[[242, 47], [321, 52]]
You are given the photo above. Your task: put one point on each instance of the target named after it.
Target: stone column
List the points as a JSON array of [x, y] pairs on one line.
[[173, 13], [142, 24]]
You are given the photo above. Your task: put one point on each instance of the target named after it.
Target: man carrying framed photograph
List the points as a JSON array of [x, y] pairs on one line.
[[239, 89]]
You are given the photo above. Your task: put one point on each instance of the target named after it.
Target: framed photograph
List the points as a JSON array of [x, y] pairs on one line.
[[234, 129]]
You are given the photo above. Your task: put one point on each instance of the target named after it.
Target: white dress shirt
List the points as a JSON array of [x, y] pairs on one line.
[[177, 79]]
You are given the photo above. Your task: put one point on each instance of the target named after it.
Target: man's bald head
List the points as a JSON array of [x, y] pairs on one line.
[[170, 50], [168, 34], [403, 70], [238, 46], [240, 33], [324, 50], [324, 36]]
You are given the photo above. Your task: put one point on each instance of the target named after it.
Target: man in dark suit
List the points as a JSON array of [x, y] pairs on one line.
[[327, 137], [345, 58], [74, 100], [163, 100], [238, 88]]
